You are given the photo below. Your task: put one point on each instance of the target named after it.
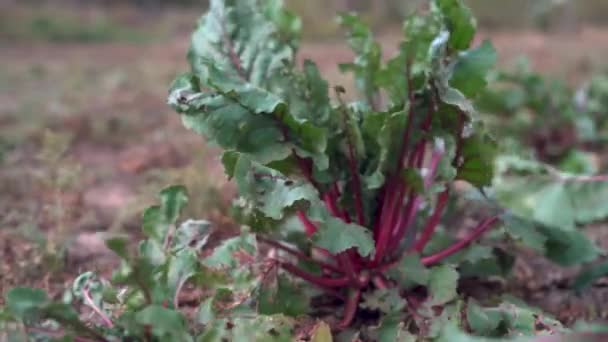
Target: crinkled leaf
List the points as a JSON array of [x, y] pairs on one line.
[[238, 117], [223, 256], [191, 234], [459, 21], [442, 73], [443, 282], [247, 38], [471, 68], [336, 236], [410, 271], [271, 191]]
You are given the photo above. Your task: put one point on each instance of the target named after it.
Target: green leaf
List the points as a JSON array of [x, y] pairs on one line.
[[153, 224], [223, 255], [478, 153], [182, 266], [242, 54], [539, 199], [569, 248], [410, 271], [459, 21], [382, 134], [392, 329], [471, 67], [442, 73], [526, 232], [443, 282], [321, 333], [589, 200], [282, 297], [120, 246], [192, 234], [386, 301], [165, 323], [173, 200], [483, 322], [271, 191], [587, 277], [536, 191], [21, 301], [565, 247], [247, 38], [242, 118], [336, 236], [368, 56]]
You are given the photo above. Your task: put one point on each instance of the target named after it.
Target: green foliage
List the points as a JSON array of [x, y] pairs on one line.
[[349, 196], [357, 175], [143, 298], [547, 206]]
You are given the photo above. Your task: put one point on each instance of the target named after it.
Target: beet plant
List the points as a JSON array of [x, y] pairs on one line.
[[345, 205], [368, 180]]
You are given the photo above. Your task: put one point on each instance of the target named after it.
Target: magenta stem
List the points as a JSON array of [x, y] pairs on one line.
[[350, 309], [324, 282], [483, 227], [299, 254], [433, 222], [309, 227]]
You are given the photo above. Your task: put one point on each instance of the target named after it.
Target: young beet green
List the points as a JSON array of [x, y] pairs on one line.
[[368, 180]]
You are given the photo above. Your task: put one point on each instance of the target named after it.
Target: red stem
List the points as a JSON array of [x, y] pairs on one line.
[[483, 227], [89, 301], [299, 254], [350, 309], [380, 282], [415, 200], [455, 248], [395, 189], [309, 227], [314, 279], [433, 221]]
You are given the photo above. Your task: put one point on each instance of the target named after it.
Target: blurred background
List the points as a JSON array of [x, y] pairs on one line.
[[86, 137]]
